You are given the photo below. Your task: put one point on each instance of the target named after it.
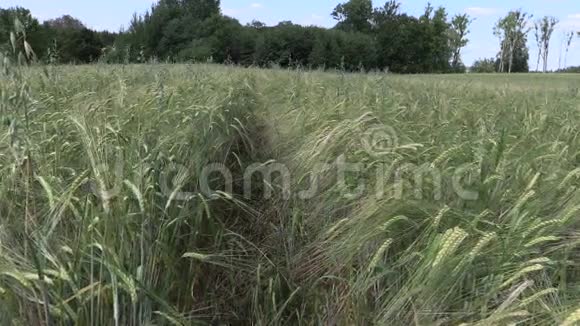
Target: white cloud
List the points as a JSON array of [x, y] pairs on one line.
[[256, 5], [481, 11], [570, 24]]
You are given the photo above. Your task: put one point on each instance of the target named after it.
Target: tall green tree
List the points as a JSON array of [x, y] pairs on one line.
[[354, 15], [439, 38], [65, 22], [170, 27], [484, 66], [385, 13], [72, 41], [512, 31], [458, 37], [326, 52], [543, 30], [31, 29], [519, 57]]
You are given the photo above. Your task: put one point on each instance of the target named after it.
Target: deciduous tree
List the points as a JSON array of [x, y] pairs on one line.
[[458, 37], [354, 15], [512, 31], [543, 30]]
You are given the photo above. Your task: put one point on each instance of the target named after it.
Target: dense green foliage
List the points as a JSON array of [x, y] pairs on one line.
[[484, 66], [512, 30], [365, 38], [61, 40], [574, 69], [105, 219], [72, 42]]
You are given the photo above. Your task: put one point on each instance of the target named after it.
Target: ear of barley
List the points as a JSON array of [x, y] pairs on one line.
[[522, 272], [497, 319], [571, 175], [533, 182], [514, 295], [197, 256], [445, 155], [439, 216], [379, 254], [47, 190], [450, 242], [523, 200], [539, 226], [386, 226], [331, 232], [492, 179], [540, 260], [570, 213], [484, 241], [137, 193], [541, 240], [536, 296]]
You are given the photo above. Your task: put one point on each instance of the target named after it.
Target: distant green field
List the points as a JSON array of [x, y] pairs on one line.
[[200, 194], [525, 82]]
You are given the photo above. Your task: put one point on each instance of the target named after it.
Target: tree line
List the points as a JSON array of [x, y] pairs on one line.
[[61, 40], [512, 32], [364, 38]]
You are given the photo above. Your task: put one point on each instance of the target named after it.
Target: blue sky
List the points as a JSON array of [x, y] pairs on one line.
[[112, 14]]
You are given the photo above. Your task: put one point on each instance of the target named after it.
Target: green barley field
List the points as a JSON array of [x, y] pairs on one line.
[[213, 195]]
